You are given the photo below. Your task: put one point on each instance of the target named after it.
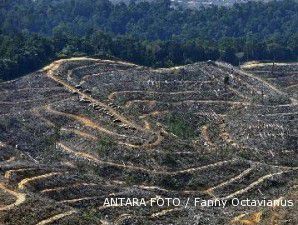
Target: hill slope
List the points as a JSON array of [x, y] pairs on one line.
[[81, 130]]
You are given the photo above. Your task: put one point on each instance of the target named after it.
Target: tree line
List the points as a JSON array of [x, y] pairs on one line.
[[32, 33]]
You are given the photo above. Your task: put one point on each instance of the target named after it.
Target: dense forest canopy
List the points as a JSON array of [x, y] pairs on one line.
[[154, 34]]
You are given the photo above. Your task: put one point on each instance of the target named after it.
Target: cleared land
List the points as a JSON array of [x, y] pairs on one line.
[[81, 130]]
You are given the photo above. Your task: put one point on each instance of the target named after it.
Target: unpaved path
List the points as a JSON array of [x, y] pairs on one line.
[[56, 217], [114, 95], [80, 133], [48, 190], [265, 83], [154, 102], [20, 198], [50, 70], [94, 159], [254, 184], [67, 201], [244, 219], [226, 136], [238, 177], [164, 212], [205, 134], [8, 174], [11, 159], [22, 184], [250, 65], [89, 123]]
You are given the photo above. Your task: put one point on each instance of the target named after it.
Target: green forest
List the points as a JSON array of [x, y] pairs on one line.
[[33, 33]]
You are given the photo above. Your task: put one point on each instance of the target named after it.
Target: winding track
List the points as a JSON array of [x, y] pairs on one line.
[[209, 143], [254, 184], [20, 198], [94, 159], [23, 183], [49, 190], [177, 103], [294, 100], [50, 71], [89, 123], [56, 217]]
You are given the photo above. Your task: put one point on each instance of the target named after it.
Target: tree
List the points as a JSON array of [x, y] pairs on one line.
[[228, 55]]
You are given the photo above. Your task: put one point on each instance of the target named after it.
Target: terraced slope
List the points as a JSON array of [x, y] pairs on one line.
[[81, 130], [282, 75]]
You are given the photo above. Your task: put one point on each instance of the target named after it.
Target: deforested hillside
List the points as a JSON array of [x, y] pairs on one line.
[[82, 130], [210, 3], [197, 3], [282, 75]]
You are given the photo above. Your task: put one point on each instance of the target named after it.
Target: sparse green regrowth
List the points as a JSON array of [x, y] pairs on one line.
[[120, 100], [104, 145], [91, 216], [196, 183], [169, 183], [136, 177], [277, 99], [180, 126], [253, 154], [169, 160], [6, 123], [52, 138]]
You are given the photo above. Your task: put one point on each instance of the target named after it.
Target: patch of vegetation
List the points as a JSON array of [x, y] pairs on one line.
[[170, 183], [281, 99], [180, 126], [169, 160], [245, 154], [196, 183], [91, 216], [136, 177], [104, 145], [51, 139]]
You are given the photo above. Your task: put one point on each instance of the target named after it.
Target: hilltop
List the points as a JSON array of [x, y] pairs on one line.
[[80, 130]]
